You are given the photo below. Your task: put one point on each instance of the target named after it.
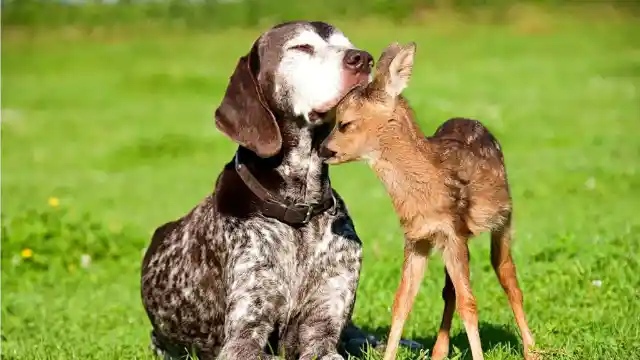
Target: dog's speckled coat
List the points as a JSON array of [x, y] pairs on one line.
[[227, 282]]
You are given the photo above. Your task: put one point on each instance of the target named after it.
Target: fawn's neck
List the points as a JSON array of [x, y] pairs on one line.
[[401, 164]]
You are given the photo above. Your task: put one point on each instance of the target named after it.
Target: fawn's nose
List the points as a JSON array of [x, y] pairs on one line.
[[358, 60], [325, 152]]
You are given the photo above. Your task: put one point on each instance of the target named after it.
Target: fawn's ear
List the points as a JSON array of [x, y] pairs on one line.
[[394, 68]]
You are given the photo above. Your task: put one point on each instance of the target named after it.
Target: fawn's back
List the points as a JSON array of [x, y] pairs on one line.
[[470, 159]]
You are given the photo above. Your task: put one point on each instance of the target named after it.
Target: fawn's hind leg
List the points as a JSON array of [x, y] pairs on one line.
[[456, 259], [441, 348], [506, 271]]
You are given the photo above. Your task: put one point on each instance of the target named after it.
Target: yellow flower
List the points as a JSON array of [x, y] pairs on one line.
[[26, 253], [54, 201]]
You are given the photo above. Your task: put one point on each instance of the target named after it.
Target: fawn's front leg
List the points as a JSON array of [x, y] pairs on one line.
[[415, 262]]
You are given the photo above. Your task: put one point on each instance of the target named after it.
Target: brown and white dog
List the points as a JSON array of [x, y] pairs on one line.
[[271, 257]]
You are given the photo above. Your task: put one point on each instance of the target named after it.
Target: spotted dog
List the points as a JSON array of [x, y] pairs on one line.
[[268, 264]]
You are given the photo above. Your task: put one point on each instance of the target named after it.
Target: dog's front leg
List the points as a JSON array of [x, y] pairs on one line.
[[329, 305], [327, 313], [247, 338], [252, 305]]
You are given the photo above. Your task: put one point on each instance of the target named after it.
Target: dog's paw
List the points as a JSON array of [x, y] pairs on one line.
[[157, 350], [412, 345], [356, 342], [406, 343], [159, 353], [332, 357]]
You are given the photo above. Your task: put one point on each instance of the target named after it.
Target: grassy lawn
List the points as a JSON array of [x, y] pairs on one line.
[[107, 135]]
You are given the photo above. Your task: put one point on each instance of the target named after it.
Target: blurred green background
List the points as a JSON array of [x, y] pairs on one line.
[[107, 132]]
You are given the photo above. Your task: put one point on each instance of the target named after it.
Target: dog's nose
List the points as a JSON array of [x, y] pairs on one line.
[[358, 60], [326, 153]]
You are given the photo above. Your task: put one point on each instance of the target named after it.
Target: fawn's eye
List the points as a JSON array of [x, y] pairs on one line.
[[306, 48], [344, 126]]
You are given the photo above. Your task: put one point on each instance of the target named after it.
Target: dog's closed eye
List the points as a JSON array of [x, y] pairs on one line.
[[304, 48]]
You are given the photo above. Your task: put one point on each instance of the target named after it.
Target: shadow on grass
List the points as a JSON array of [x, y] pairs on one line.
[[491, 336]]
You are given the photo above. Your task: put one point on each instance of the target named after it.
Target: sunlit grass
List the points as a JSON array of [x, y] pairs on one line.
[[111, 134]]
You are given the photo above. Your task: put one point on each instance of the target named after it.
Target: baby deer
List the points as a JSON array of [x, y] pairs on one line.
[[445, 189]]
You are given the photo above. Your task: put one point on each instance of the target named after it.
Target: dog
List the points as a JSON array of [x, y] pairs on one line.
[[270, 258]]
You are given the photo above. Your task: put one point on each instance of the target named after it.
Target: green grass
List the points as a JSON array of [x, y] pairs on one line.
[[118, 126]]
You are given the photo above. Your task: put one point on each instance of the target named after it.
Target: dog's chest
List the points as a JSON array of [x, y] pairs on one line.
[[298, 261], [329, 258]]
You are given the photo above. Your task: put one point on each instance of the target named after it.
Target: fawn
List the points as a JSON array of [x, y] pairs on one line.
[[445, 189]]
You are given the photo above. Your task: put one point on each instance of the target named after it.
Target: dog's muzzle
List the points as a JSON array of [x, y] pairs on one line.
[[358, 61]]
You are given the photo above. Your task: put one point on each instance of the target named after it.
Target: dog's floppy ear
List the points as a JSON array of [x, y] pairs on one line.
[[244, 115]]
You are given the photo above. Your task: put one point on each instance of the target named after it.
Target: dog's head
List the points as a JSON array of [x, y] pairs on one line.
[[296, 70]]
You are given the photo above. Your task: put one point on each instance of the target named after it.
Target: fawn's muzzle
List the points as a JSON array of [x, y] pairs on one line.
[[325, 152]]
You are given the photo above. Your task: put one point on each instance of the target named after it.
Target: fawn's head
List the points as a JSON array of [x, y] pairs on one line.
[[369, 112]]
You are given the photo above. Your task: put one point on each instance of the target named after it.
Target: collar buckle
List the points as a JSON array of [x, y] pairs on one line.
[[308, 210]]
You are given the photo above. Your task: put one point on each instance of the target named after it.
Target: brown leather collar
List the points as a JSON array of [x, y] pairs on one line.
[[274, 206]]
